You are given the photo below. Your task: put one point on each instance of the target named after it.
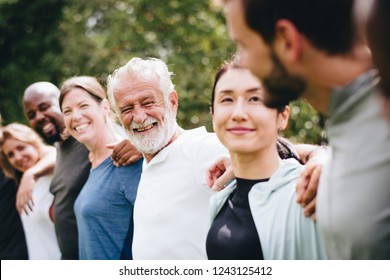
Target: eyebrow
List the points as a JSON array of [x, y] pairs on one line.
[[229, 91], [78, 104]]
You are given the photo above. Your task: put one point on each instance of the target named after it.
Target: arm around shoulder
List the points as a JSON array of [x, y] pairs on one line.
[[43, 167]]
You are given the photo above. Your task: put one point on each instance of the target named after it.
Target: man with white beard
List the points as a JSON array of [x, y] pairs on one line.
[[171, 217]]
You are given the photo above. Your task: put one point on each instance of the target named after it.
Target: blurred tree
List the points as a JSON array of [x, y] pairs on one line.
[[29, 47], [187, 35], [94, 37], [306, 125]]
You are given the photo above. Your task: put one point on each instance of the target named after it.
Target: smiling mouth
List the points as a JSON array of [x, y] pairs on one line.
[[47, 127], [81, 127], [141, 129], [24, 165], [240, 130]]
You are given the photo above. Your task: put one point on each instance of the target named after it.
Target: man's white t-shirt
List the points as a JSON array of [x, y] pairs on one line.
[[171, 212]]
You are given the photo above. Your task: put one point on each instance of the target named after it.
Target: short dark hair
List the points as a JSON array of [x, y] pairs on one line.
[[327, 24]]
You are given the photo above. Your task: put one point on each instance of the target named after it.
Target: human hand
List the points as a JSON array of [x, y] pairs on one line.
[[124, 153], [219, 173], [24, 201], [307, 185]]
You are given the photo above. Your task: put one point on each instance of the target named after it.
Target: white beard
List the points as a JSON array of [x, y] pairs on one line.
[[155, 141]]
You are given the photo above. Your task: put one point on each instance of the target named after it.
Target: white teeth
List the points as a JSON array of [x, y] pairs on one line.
[[81, 127], [140, 129], [47, 127]]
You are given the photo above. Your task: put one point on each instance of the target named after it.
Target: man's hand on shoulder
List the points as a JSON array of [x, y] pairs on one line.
[[124, 153]]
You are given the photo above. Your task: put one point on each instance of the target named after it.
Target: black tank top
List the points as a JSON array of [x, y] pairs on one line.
[[233, 235]]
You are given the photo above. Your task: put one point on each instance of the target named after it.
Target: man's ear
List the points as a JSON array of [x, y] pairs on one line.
[[174, 100], [288, 42]]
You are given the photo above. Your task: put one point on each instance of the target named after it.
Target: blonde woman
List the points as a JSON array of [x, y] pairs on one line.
[[21, 149]]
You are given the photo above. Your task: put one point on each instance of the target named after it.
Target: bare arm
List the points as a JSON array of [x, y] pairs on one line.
[[314, 158], [26, 186], [307, 151]]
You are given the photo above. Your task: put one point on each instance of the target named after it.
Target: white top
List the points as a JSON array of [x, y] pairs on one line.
[[39, 229], [284, 231], [171, 212]]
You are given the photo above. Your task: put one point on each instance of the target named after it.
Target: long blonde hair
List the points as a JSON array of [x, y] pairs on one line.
[[24, 134]]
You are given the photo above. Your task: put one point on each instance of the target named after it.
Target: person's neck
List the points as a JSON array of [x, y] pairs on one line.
[[178, 132], [325, 72], [98, 150], [257, 165]]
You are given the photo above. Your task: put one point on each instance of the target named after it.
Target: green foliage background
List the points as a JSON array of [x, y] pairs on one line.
[[55, 39]]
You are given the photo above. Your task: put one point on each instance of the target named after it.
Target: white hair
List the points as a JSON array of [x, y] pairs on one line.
[[149, 68]]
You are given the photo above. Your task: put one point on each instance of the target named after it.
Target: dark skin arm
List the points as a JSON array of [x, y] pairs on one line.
[[124, 153]]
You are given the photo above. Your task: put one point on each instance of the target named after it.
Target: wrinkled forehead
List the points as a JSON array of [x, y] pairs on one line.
[[136, 85]]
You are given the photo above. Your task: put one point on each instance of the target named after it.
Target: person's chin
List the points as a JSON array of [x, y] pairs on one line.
[[52, 138]]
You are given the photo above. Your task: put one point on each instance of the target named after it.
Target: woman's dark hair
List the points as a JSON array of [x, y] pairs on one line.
[[286, 149]]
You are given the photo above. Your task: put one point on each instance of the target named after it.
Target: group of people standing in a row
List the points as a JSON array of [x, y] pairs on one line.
[[172, 214], [50, 181], [148, 189]]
